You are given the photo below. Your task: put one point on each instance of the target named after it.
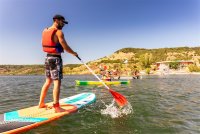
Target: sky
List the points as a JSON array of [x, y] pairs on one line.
[[96, 28]]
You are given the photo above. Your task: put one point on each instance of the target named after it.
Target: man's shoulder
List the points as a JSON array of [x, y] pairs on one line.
[[59, 31]]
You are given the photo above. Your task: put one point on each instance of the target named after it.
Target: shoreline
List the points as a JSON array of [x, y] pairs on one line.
[[122, 76]]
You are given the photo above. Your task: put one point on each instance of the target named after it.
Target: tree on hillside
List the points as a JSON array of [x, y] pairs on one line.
[[146, 60], [173, 65]]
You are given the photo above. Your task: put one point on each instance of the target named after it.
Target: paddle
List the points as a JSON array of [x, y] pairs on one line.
[[121, 100]]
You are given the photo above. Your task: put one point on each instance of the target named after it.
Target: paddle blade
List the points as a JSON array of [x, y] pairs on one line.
[[120, 99]]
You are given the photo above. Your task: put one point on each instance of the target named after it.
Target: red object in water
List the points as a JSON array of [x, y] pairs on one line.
[[120, 99]]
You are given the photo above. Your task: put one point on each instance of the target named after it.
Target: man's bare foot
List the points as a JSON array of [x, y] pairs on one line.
[[42, 106], [59, 110]]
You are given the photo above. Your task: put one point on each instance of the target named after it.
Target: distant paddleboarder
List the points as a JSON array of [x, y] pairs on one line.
[[54, 43]]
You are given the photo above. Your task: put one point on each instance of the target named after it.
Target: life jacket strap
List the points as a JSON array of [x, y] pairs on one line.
[[50, 46]]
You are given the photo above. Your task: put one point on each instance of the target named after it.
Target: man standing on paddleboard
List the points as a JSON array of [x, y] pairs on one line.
[[54, 43]]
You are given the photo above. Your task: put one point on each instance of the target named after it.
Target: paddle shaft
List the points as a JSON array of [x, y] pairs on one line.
[[93, 73], [120, 99]]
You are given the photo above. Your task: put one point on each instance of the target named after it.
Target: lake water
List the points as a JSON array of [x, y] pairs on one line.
[[160, 105]]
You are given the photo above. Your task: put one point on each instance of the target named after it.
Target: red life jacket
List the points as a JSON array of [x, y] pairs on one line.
[[47, 41]]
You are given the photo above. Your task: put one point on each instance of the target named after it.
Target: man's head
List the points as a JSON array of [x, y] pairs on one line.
[[60, 20]]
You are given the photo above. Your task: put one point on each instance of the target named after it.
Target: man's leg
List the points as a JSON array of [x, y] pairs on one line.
[[56, 96], [44, 92], [56, 91]]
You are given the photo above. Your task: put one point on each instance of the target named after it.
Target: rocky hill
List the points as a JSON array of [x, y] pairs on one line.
[[126, 60]]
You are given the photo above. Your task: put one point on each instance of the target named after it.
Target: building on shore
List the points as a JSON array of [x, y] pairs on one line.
[[182, 64]]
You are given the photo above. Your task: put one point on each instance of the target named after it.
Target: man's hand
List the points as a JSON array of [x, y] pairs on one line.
[[75, 54]]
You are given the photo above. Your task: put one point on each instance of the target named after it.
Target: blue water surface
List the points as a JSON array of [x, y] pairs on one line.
[[161, 105]]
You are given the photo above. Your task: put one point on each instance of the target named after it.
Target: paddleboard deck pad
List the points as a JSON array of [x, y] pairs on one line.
[[25, 119]]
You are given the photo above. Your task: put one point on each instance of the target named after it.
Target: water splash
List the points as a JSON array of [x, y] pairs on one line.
[[115, 111]]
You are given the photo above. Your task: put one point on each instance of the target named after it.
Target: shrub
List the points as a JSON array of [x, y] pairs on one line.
[[193, 68], [147, 70]]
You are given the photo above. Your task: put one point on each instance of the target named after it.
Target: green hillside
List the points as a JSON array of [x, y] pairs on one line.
[[126, 59], [31, 69], [161, 54]]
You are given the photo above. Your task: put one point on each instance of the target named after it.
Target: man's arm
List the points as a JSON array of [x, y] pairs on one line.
[[64, 44]]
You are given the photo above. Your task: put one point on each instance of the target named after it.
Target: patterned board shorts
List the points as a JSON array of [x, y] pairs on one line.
[[54, 67]]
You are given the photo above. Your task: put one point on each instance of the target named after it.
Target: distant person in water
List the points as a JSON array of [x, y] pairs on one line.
[[54, 43], [107, 76], [136, 74], [116, 73], [102, 71]]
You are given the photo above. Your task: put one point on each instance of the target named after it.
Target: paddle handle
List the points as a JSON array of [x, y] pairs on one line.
[[93, 72]]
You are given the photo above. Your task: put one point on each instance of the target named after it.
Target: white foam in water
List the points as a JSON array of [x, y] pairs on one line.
[[115, 111]]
